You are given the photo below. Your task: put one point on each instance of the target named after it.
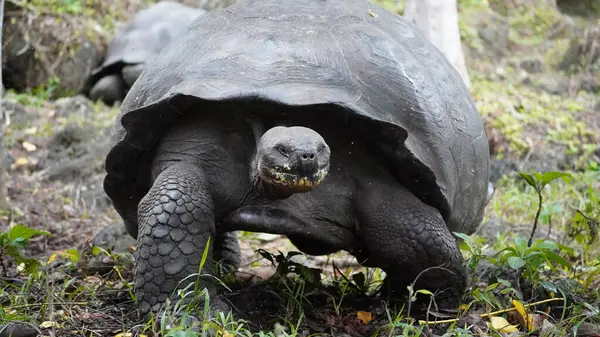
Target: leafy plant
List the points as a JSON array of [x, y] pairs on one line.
[[15, 239], [530, 258], [539, 181]]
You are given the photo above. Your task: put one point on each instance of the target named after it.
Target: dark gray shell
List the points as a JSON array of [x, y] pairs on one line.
[[348, 54], [147, 33]]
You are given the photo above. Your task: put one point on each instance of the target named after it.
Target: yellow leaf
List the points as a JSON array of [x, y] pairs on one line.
[[49, 324], [527, 321], [21, 161], [227, 334], [364, 316], [52, 258], [502, 325], [128, 334]]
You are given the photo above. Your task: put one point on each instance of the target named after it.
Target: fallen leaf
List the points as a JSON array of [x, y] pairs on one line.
[[21, 161], [29, 147], [546, 328], [371, 13], [526, 320], [502, 325], [128, 334], [49, 324], [52, 258], [364, 316], [92, 279]]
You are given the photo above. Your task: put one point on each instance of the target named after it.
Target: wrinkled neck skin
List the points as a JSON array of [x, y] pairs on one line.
[[263, 188]]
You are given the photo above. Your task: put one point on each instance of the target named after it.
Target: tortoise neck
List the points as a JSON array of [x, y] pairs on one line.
[[263, 188]]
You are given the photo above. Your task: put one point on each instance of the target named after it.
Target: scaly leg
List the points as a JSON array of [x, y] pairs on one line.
[[404, 237], [227, 253], [176, 219]]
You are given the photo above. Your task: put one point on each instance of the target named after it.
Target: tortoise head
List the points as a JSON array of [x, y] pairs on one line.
[[290, 160]]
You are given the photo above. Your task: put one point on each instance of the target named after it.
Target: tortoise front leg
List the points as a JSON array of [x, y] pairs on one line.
[[176, 219], [404, 237]]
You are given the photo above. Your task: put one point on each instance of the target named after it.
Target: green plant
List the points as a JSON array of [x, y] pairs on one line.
[[538, 181], [531, 258], [15, 239]]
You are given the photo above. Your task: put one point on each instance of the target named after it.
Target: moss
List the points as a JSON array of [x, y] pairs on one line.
[[521, 114], [530, 23], [555, 53]]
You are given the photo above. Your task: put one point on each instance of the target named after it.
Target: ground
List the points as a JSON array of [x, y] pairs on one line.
[[538, 117]]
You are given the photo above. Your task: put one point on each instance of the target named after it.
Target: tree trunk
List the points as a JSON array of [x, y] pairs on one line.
[[438, 19], [3, 159]]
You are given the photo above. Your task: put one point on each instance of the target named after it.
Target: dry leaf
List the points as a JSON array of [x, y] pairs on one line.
[[29, 147], [21, 161], [92, 279], [49, 324], [128, 334], [364, 316], [371, 13], [502, 325], [52, 258], [525, 318]]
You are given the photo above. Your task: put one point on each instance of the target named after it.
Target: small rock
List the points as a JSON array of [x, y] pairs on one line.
[[500, 168], [18, 329], [114, 238], [13, 112], [590, 84], [533, 66]]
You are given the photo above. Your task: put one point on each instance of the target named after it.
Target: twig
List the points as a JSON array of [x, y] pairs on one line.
[[494, 312], [31, 305]]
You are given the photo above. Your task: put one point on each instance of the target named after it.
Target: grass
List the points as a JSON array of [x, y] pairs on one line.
[[561, 276]]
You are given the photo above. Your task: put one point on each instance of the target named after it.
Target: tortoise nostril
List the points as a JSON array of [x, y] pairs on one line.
[[307, 156]]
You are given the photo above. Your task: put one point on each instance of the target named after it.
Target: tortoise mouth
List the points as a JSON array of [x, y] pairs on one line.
[[283, 179]]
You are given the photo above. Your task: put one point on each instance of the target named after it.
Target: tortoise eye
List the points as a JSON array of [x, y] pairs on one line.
[[283, 150]]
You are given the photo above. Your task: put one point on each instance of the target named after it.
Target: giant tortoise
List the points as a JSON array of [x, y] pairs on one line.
[[332, 122], [135, 44]]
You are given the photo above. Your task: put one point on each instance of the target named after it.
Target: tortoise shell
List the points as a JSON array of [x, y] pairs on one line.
[[349, 55]]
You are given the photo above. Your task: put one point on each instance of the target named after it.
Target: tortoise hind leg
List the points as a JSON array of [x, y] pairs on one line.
[[227, 253], [404, 237], [176, 220], [131, 73]]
